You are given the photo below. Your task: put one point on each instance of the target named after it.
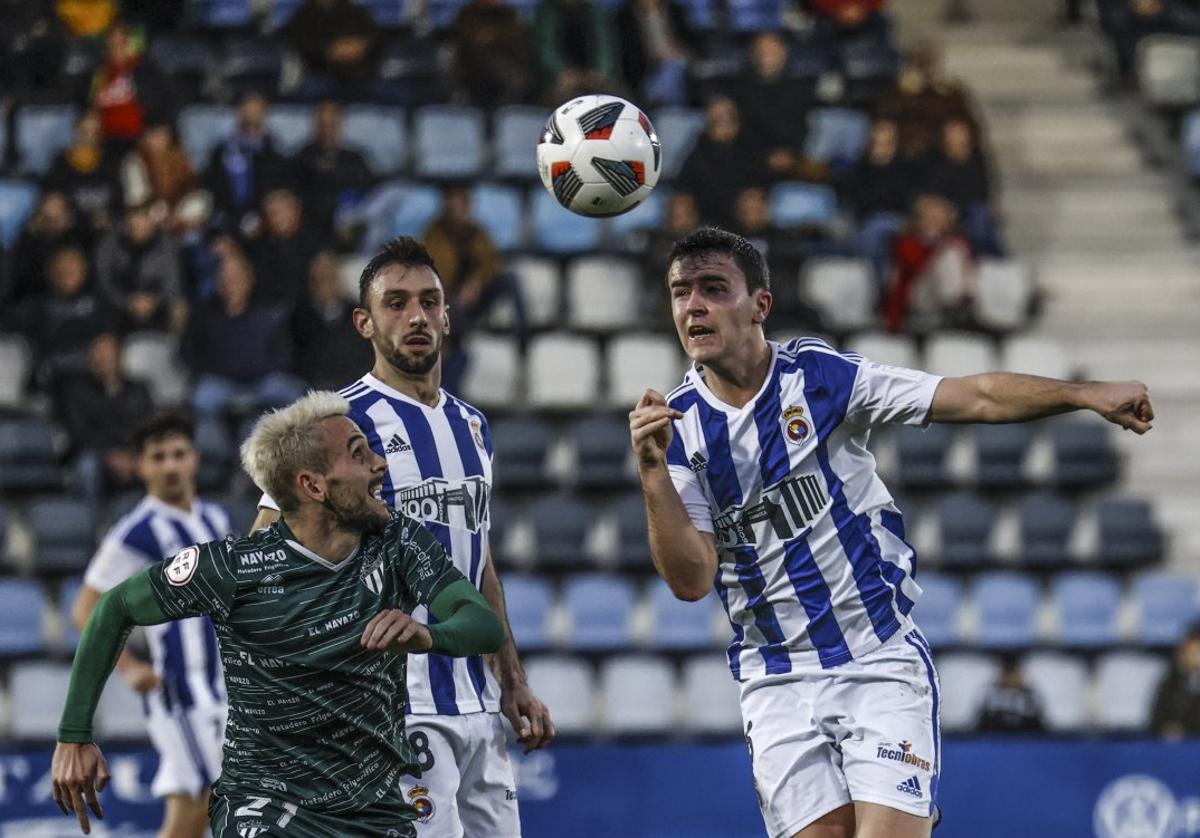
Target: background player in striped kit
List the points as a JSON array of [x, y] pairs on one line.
[[183, 686], [439, 456], [758, 481]]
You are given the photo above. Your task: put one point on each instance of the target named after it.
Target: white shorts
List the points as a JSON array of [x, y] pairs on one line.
[[466, 788], [189, 750], [865, 731]]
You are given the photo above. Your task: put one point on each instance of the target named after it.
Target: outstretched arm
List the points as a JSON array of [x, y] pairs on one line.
[[465, 626], [998, 397]]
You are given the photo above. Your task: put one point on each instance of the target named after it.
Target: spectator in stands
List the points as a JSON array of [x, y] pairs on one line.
[[281, 255], [959, 173], [158, 171], [724, 161], [1128, 21], [680, 218], [879, 193], [53, 224], [924, 99], [238, 350], [774, 107], [88, 172], [139, 272], [244, 167], [933, 279], [87, 18], [655, 44], [576, 47], [341, 46], [327, 348], [99, 408], [845, 20], [329, 174], [126, 87], [32, 50], [492, 61], [1010, 704], [1176, 711]]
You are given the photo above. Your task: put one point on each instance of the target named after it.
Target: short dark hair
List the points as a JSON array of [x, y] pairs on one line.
[[709, 240], [402, 250], [162, 425]]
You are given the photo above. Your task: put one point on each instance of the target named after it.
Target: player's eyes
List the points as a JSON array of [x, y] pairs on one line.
[[429, 303]]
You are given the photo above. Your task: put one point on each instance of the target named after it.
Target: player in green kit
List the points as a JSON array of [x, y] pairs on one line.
[[313, 619]]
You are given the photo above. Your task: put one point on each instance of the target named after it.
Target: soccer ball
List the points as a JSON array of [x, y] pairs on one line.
[[599, 156]]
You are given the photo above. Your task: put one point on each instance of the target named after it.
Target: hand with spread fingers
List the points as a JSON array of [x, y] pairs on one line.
[[394, 630], [78, 773]]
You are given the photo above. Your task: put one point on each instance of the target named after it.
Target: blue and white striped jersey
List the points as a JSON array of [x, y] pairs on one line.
[[440, 473], [184, 652], [814, 567]]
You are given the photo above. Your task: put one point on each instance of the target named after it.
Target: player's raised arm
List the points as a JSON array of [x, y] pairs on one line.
[[684, 557]]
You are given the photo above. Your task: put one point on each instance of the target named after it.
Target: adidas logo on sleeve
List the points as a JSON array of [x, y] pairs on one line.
[[397, 445]]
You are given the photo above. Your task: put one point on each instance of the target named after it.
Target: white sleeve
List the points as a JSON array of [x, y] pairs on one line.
[[884, 394], [688, 486], [266, 502], [112, 565]]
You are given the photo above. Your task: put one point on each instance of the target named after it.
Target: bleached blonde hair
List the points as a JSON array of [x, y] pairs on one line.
[[288, 441]]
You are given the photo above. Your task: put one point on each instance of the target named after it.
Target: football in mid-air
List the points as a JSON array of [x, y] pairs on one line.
[[599, 155]]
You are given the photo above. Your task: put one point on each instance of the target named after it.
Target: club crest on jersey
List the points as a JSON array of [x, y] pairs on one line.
[[477, 432], [183, 567], [795, 425], [372, 576], [418, 796]]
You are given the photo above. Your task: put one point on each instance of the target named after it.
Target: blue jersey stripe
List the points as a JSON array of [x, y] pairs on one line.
[[193, 748], [141, 537], [917, 641], [893, 522], [175, 668], [358, 414]]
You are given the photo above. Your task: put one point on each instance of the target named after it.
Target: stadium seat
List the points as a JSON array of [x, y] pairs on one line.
[[633, 545], [603, 293], [1167, 607], [22, 611], [648, 215], [223, 14], [794, 204], [637, 696], [493, 373], [187, 60], [836, 136], [966, 522], [566, 686], [449, 141], [1061, 684], [1007, 604], [42, 132], [636, 362], [677, 129], [755, 15], [35, 693], [1087, 606], [29, 452], [216, 450], [521, 443], [379, 132], [921, 454], [15, 363], [563, 371], [153, 357], [252, 64], [1169, 70], [679, 625], [1003, 295], [961, 353], [396, 208], [1000, 452], [600, 607], [282, 11], [601, 445], [517, 130], [529, 600], [964, 679], [499, 210], [710, 697], [541, 287], [119, 714], [67, 594], [1128, 533], [842, 290], [555, 230], [893, 350], [1046, 523], [1126, 683], [290, 127], [937, 609], [560, 525], [1190, 138], [1035, 356], [64, 533], [17, 200], [1083, 454], [202, 128]]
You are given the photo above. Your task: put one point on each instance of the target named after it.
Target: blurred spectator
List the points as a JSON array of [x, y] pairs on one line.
[[327, 348], [139, 272], [88, 172], [879, 192], [99, 408], [774, 107], [752, 219], [32, 49], [959, 172], [155, 15], [933, 278], [843, 20], [329, 174], [1177, 703], [681, 217], [126, 87], [158, 171], [238, 350], [724, 161], [655, 43], [245, 166], [341, 46], [576, 47], [53, 224], [1010, 705], [281, 255], [924, 99], [492, 61], [1128, 21], [87, 18]]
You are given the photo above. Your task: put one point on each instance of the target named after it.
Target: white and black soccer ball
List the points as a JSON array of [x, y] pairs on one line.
[[599, 155]]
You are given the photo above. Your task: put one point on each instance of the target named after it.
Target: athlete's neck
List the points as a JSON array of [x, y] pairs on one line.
[[183, 503], [316, 530], [422, 388], [736, 378]]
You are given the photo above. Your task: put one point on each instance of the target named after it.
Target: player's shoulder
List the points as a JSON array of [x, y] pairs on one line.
[[210, 508], [683, 396], [358, 392], [814, 349], [135, 530]]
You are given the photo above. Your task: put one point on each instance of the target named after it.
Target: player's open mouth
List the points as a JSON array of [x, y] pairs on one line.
[[699, 332], [377, 491]]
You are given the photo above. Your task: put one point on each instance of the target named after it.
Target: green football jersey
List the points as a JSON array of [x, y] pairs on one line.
[[313, 716]]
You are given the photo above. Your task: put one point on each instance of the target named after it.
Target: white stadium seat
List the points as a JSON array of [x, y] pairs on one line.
[[541, 288], [638, 362], [959, 353], [154, 359], [566, 686], [493, 374], [1126, 683], [15, 359], [893, 350], [710, 696], [964, 679], [119, 714], [36, 691], [603, 293], [1169, 70], [843, 290], [563, 372], [637, 696], [1035, 356], [1061, 683], [1004, 291]]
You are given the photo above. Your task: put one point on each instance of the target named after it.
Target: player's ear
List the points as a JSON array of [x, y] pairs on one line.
[[363, 324], [762, 306], [311, 486]]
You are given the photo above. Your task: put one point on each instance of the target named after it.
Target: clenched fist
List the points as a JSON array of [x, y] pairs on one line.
[[650, 429], [394, 630]]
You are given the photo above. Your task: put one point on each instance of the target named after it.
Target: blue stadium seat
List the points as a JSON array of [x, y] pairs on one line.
[[1087, 604], [1007, 604], [449, 141], [677, 129], [755, 15], [223, 14], [42, 132], [633, 546], [679, 625], [395, 208], [1128, 533], [1000, 453], [601, 450], [17, 200], [1083, 454], [966, 522], [600, 607], [836, 136], [517, 130], [389, 13], [1047, 521], [29, 452], [529, 600], [21, 613], [290, 126], [282, 11], [1191, 141], [937, 610], [202, 128], [921, 456], [560, 526], [520, 443], [66, 601], [649, 214], [64, 534], [380, 133], [701, 14], [1167, 607], [187, 60], [803, 205], [555, 230], [499, 210], [442, 12]]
